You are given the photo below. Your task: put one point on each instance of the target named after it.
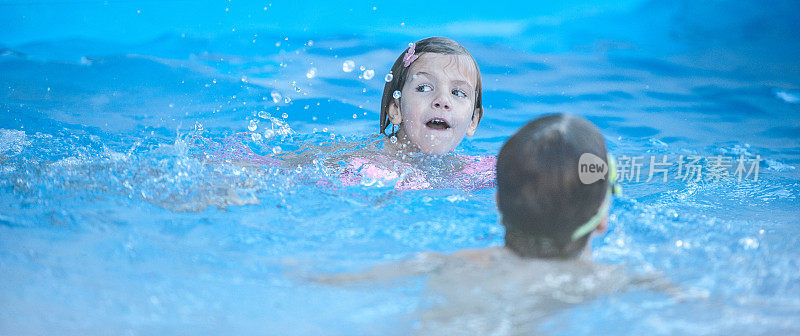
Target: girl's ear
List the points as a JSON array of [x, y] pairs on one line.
[[394, 113], [476, 119]]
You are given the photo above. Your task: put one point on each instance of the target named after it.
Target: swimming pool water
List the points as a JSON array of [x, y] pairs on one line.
[[127, 206]]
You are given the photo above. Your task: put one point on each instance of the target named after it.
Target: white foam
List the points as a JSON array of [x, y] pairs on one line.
[[12, 141], [778, 166], [787, 96]]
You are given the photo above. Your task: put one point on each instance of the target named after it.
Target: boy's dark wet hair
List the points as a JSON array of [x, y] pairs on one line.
[[539, 194], [436, 45]]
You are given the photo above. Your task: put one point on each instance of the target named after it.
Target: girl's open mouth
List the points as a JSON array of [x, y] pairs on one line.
[[438, 124]]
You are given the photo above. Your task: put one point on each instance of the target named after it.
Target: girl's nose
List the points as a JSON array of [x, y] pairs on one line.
[[441, 103]]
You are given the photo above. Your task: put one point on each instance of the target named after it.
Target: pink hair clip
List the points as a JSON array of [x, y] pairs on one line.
[[409, 56]]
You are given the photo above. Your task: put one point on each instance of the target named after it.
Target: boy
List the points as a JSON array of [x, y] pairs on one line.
[[549, 214], [546, 208]]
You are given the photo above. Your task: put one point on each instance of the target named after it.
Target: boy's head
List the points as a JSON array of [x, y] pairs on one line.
[[540, 196], [434, 95]]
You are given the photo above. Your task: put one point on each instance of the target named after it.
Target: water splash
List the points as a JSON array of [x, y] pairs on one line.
[[311, 73], [276, 96], [368, 74], [348, 66]]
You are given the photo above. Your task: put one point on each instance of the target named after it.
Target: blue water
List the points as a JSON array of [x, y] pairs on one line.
[[116, 219]]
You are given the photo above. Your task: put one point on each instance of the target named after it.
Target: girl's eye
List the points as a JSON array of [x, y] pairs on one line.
[[424, 88], [459, 93]]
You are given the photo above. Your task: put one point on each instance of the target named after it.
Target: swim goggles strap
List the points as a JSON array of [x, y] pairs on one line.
[[594, 221], [614, 189]]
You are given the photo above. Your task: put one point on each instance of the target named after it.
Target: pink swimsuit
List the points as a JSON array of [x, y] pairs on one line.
[[479, 173]]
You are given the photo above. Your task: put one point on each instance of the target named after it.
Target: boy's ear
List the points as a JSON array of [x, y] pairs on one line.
[[602, 227], [476, 119], [394, 113]]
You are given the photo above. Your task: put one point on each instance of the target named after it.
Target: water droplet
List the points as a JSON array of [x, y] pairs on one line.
[[410, 44], [253, 125], [748, 243], [256, 137], [388, 77], [362, 68], [355, 116], [310, 43], [325, 130], [348, 66], [285, 115], [311, 73], [276, 97], [397, 94], [263, 114], [368, 74], [287, 100], [269, 133], [276, 149], [393, 139]]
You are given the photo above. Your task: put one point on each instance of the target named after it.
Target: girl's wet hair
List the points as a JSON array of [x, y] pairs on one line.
[[438, 45], [539, 194]]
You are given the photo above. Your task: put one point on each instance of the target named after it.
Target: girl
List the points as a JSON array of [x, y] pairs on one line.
[[441, 101], [432, 102]]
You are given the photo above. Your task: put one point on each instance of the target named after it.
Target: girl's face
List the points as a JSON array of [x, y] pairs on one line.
[[437, 106]]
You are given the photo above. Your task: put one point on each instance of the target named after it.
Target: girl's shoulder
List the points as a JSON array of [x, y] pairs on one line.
[[478, 163], [478, 172]]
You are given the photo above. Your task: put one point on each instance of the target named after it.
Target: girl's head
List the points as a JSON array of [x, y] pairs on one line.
[[434, 96], [547, 210]]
